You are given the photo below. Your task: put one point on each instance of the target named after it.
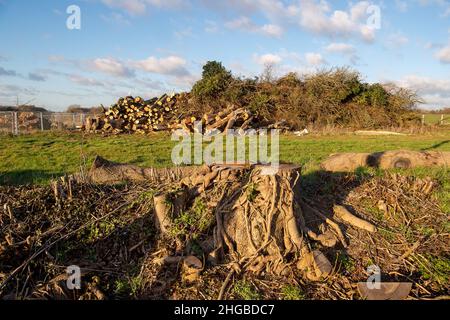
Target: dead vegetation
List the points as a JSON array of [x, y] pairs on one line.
[[232, 232], [329, 98]]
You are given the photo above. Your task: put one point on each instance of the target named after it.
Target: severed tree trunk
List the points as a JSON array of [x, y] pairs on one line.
[[401, 159], [107, 172]]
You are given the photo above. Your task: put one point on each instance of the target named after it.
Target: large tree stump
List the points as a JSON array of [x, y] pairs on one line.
[[261, 229], [259, 222]]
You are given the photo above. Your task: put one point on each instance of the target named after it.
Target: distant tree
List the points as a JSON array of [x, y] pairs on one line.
[[215, 81], [76, 108], [214, 68], [31, 108], [268, 74]]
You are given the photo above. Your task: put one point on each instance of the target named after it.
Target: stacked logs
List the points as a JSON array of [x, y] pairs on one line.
[[232, 118], [136, 115]]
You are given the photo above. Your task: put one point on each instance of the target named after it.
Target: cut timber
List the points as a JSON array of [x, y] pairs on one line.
[[345, 215], [345, 162], [107, 172], [404, 159], [411, 159]]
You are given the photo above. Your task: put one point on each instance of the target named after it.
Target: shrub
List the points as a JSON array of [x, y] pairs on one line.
[[214, 83], [335, 97]]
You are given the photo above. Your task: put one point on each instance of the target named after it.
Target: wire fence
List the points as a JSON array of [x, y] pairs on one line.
[[436, 119], [17, 122], [28, 122]]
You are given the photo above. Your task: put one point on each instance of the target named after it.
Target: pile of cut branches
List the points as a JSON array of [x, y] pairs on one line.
[[233, 231]]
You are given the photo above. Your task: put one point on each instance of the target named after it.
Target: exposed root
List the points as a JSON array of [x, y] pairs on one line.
[[342, 213]]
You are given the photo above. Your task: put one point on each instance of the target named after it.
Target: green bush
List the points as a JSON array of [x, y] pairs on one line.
[[335, 97], [373, 95], [214, 83]]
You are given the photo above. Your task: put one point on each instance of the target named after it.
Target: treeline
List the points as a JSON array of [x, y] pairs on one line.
[[70, 109], [336, 97], [79, 109], [23, 108], [439, 111]]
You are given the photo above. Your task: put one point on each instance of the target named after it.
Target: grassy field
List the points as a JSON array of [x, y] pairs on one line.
[[436, 118], [39, 157]]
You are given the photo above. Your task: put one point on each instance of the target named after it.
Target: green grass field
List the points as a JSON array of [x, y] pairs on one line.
[[436, 118], [39, 157]]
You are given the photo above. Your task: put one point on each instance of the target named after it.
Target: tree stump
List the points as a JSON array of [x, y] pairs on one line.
[[259, 222]]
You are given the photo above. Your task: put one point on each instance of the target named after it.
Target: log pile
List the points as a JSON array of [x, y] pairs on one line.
[[232, 118], [167, 113], [136, 115], [28, 121]]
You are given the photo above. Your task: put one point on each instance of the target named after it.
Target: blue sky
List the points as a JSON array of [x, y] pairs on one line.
[[146, 47]]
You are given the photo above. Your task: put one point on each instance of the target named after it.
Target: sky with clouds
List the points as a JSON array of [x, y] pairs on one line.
[[147, 47]]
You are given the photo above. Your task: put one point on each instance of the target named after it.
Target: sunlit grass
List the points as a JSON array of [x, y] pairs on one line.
[[39, 157]]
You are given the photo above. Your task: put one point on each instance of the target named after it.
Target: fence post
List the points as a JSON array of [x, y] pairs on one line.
[[12, 122], [42, 121], [442, 120], [16, 124], [423, 119]]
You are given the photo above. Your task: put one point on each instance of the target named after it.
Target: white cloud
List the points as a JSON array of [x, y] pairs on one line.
[[115, 18], [340, 48], [110, 66], [267, 58], [443, 4], [185, 82], [184, 33], [443, 55], [318, 17], [135, 7], [211, 26], [171, 65], [401, 5], [245, 24], [397, 40], [433, 45], [140, 7], [344, 49], [314, 59], [435, 92], [272, 30], [85, 81]]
